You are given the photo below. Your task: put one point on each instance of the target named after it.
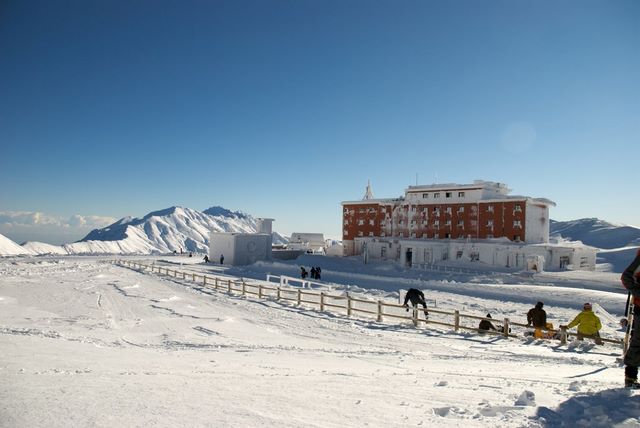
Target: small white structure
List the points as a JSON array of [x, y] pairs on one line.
[[309, 242], [242, 248]]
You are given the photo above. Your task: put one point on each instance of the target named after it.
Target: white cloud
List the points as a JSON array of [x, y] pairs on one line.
[[38, 219]]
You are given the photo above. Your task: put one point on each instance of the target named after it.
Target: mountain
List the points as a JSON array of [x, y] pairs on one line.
[[10, 248], [596, 233], [164, 231]]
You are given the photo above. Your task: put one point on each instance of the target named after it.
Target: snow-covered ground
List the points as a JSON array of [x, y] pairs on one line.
[[86, 343]]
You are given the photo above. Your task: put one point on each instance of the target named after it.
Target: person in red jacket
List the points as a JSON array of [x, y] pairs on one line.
[[631, 281]]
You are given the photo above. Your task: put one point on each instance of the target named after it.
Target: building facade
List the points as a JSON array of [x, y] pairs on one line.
[[455, 221]]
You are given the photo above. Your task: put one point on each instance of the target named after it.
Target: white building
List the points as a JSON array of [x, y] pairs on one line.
[[309, 242], [242, 248]]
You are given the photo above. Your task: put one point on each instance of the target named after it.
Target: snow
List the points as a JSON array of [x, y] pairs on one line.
[[10, 248], [88, 343]]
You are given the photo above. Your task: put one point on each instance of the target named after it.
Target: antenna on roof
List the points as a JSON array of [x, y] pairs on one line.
[[435, 178], [416, 178]]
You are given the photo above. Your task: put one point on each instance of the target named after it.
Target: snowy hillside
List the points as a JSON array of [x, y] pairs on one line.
[[597, 233], [172, 229], [87, 343], [10, 248]]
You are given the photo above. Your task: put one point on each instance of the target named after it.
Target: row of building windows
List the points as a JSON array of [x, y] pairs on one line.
[[435, 235], [436, 223], [436, 209], [436, 195]]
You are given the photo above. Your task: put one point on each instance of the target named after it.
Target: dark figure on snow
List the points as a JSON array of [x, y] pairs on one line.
[[303, 272], [221, 258], [631, 281], [206, 259], [313, 273], [486, 325], [318, 270], [537, 317], [417, 298]]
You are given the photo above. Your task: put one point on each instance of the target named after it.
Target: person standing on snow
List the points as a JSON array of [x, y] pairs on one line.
[[417, 298], [588, 324], [631, 281], [537, 317], [221, 258]]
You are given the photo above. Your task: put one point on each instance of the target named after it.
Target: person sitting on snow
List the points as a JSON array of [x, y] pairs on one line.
[[486, 325], [588, 323]]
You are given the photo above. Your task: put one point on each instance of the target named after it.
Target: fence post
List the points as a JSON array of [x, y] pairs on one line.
[[244, 288], [229, 285], [259, 291], [278, 291], [415, 316], [379, 319], [321, 301], [505, 328], [215, 283], [193, 278], [299, 297], [348, 305], [456, 320], [184, 275], [204, 280], [563, 335]]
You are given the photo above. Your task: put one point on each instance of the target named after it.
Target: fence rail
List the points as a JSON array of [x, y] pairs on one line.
[[375, 308]]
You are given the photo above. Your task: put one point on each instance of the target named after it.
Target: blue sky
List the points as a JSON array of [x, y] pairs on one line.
[[284, 109]]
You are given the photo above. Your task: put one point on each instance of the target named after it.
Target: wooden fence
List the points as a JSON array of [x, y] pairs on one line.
[[346, 303]]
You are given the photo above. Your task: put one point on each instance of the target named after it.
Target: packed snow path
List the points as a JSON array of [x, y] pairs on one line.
[[91, 344]]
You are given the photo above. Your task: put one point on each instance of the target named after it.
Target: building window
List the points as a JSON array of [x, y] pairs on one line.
[[436, 195], [361, 211], [517, 208], [382, 234], [425, 196], [460, 223], [413, 234], [490, 208], [447, 195], [346, 210], [516, 238], [346, 222], [361, 222], [447, 210], [489, 223], [370, 233], [460, 210], [461, 194], [372, 222], [436, 223], [458, 255], [447, 236], [345, 232], [383, 252], [447, 223], [517, 224], [360, 233], [436, 236]]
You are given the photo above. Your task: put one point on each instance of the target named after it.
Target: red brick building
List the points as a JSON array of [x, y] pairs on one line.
[[480, 210]]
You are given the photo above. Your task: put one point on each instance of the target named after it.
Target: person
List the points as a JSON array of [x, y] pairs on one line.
[[417, 298], [631, 281], [206, 258], [313, 272], [537, 317], [486, 325], [221, 258], [588, 323], [303, 272], [318, 270]]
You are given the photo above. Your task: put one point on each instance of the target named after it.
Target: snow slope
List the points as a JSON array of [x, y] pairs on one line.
[[597, 233], [10, 248], [86, 343], [172, 229]]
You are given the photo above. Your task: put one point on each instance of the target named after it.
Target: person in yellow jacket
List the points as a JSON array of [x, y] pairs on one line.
[[588, 323]]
